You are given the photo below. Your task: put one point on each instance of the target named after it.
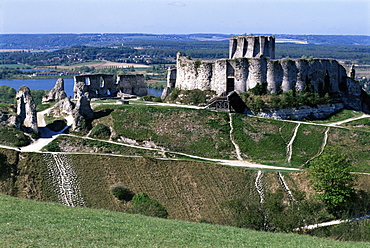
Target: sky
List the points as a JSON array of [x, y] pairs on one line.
[[330, 17]]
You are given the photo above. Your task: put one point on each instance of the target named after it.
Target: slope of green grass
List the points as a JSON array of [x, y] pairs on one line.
[[206, 133], [26, 223], [340, 116], [203, 133]]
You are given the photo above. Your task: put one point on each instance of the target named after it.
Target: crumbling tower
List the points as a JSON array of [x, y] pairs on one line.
[[252, 46]]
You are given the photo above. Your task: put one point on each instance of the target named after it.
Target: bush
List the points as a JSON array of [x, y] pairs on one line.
[[331, 178], [275, 215], [52, 147], [100, 131], [260, 89], [122, 193], [257, 105], [197, 63], [152, 98], [142, 204], [13, 137], [174, 94], [191, 97]]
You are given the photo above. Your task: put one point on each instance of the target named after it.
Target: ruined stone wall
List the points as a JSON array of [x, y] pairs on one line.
[[193, 74], [252, 46], [323, 75], [251, 62], [105, 85], [132, 84], [95, 85], [171, 77], [219, 79], [26, 111]]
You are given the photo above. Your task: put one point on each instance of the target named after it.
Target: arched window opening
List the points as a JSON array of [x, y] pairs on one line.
[[102, 82]]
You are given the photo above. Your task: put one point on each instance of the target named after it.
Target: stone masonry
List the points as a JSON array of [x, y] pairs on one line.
[[105, 85], [26, 111], [251, 62]]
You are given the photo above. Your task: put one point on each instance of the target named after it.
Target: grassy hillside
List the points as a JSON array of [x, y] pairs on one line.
[[189, 190], [25, 223], [193, 190], [207, 133]]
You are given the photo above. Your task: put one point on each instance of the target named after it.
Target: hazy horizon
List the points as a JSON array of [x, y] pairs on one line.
[[299, 17]]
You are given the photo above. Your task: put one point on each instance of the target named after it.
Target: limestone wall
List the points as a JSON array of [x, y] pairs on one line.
[[96, 85], [132, 84], [325, 75], [26, 110], [171, 77], [252, 46], [251, 62], [105, 85], [303, 112]]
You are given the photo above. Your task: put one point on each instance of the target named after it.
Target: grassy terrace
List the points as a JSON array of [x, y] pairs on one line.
[[26, 223]]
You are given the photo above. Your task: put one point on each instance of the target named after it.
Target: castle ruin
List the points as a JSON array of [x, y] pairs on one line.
[[107, 86], [252, 61]]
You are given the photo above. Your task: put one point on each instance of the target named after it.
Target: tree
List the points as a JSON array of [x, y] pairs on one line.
[[142, 204], [331, 178]]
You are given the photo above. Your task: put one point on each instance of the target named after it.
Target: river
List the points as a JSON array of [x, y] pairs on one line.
[[48, 84]]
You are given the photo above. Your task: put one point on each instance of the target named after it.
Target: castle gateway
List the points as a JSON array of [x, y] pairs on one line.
[[252, 61]]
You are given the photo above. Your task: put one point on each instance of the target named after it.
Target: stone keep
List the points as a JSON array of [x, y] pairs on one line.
[[251, 62]]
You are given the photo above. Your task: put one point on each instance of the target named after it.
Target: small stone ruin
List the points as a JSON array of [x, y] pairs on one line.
[[26, 111], [107, 86], [56, 94]]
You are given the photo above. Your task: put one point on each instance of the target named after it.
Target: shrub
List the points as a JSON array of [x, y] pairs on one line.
[[197, 63], [174, 94], [122, 193], [275, 215], [142, 204], [191, 97], [257, 105], [100, 131], [260, 89], [52, 147], [13, 137], [152, 98], [330, 176]]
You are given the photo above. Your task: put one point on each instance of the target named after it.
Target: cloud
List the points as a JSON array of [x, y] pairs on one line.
[[178, 4]]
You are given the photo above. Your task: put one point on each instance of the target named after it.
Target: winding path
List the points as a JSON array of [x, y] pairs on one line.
[[258, 185], [39, 144], [331, 223], [285, 186], [237, 148], [289, 147]]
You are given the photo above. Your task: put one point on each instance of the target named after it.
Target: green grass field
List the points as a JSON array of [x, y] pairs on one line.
[[27, 223]]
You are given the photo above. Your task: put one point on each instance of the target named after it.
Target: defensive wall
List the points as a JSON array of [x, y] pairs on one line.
[[107, 85], [251, 62]]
